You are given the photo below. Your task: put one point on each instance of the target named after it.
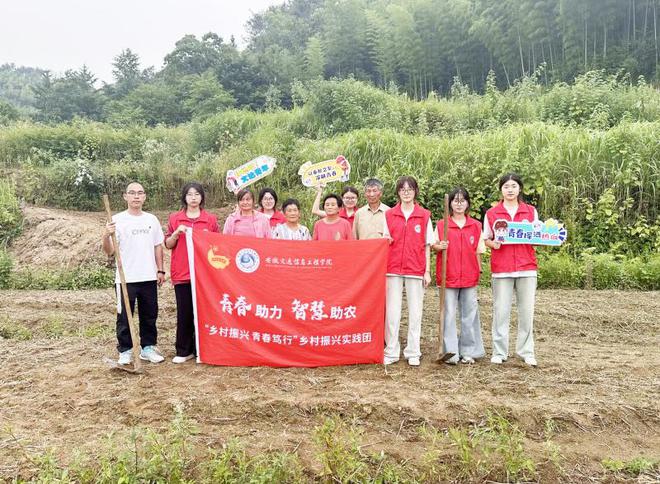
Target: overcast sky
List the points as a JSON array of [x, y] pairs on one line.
[[65, 34]]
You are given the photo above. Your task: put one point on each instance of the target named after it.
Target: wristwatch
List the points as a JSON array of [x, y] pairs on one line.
[[161, 272]]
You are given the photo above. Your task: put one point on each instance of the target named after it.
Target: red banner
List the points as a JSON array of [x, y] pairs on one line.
[[287, 303]]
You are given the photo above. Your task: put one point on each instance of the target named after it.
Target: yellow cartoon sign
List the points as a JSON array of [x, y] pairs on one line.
[[324, 172]]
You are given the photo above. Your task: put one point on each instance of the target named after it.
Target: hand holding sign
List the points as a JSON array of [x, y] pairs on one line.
[[550, 232], [249, 173], [324, 172]]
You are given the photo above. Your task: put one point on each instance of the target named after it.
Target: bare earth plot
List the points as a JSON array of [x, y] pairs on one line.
[[598, 383], [597, 386]]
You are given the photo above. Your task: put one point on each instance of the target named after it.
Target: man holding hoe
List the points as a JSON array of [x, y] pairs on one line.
[[140, 240]]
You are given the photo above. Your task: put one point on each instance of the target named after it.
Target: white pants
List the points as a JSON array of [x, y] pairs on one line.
[[415, 300], [503, 288], [470, 342]]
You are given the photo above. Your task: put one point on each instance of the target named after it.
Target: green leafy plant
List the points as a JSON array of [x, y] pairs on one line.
[[10, 213]]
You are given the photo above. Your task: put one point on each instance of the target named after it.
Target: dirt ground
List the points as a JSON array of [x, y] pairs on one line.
[[598, 378]]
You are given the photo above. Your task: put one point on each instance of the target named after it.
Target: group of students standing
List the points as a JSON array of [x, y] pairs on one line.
[[409, 230]]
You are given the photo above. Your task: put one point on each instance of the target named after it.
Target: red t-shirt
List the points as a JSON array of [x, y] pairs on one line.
[[345, 216], [179, 270], [339, 230]]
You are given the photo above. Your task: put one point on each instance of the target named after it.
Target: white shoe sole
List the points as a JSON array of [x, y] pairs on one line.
[[177, 360], [152, 360]]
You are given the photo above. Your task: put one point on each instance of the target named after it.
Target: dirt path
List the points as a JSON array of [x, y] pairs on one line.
[[598, 382]]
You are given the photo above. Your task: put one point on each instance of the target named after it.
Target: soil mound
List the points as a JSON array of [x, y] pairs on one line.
[[58, 239], [61, 239]]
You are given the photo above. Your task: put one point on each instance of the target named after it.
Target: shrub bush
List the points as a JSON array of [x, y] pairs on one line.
[[10, 212], [560, 271], [6, 266]]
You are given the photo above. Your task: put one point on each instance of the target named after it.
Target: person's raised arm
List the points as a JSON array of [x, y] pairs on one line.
[[316, 206]]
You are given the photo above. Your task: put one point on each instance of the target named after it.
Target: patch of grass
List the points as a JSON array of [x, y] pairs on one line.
[[54, 328], [96, 331], [91, 276], [490, 450], [12, 330], [233, 464], [339, 451], [507, 442], [634, 467], [6, 266]]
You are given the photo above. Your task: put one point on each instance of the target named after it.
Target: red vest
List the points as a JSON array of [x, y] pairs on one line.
[[407, 255], [462, 263], [179, 270], [514, 257]]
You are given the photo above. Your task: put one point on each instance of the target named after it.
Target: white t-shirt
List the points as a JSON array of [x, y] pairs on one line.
[[138, 235]]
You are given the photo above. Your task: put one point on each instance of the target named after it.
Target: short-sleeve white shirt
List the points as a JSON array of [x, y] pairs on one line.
[[138, 236]]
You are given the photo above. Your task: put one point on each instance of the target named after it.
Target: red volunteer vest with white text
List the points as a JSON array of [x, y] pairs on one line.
[[407, 255], [462, 264], [514, 257]]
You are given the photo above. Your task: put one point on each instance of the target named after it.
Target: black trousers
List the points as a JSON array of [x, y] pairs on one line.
[[185, 321], [146, 295]]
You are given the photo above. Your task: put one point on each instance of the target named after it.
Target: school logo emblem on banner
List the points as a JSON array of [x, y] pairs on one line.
[[287, 303]]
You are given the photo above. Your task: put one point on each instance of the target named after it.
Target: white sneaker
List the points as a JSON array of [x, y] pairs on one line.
[[531, 361], [453, 360], [125, 357], [413, 361], [182, 359], [468, 360], [388, 360], [151, 353], [498, 360]]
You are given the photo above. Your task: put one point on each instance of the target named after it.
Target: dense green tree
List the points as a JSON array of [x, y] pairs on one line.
[[70, 96], [314, 58], [423, 44], [194, 56], [151, 103], [126, 73], [16, 85], [416, 46], [8, 113], [205, 96]]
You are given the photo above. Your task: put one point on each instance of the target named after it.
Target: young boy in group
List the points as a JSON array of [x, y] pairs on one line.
[[140, 240]]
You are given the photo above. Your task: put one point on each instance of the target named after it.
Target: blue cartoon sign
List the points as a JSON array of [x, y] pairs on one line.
[[250, 172], [550, 232]]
